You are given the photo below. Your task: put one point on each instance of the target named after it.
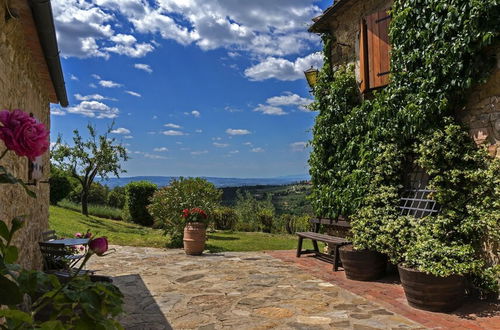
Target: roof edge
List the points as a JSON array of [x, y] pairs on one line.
[[44, 22], [320, 23]]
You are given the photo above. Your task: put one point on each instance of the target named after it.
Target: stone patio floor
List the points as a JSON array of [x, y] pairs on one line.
[[166, 289]]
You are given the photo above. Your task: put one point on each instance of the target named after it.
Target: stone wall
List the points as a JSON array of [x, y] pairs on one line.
[[20, 88], [482, 111], [344, 26]]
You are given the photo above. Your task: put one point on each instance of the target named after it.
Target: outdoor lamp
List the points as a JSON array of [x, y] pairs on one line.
[[311, 76]]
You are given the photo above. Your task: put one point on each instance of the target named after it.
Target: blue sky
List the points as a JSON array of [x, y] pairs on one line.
[[195, 87]]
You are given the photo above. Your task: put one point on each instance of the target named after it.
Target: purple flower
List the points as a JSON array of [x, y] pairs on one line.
[[78, 235], [99, 245]]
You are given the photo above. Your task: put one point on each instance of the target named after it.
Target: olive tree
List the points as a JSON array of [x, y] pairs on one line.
[[96, 155]]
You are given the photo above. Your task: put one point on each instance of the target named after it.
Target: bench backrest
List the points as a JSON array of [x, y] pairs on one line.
[[340, 222]]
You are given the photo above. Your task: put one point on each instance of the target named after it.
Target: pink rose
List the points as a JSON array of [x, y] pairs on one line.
[[99, 245], [23, 134], [78, 235]]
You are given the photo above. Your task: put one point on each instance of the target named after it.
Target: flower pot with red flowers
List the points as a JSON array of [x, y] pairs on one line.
[[194, 231]]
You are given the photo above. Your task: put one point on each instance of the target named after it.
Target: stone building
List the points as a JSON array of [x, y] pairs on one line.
[[360, 30], [30, 79]]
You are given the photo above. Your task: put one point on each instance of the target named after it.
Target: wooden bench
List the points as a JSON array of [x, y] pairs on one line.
[[315, 236]]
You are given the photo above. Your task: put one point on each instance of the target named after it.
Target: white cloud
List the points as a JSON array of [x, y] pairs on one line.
[[270, 110], [128, 137], [144, 67], [96, 76], [289, 99], [220, 145], [172, 125], [161, 149], [298, 146], [231, 109], [257, 150], [73, 77], [239, 131], [133, 93], [172, 132], [152, 156], [121, 130], [194, 113], [199, 152], [57, 111], [92, 85], [283, 69], [96, 97], [93, 109], [260, 27], [155, 117], [109, 84], [199, 131], [234, 151]]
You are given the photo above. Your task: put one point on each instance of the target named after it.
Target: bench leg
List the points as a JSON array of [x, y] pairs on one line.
[[299, 247], [336, 259], [315, 244]]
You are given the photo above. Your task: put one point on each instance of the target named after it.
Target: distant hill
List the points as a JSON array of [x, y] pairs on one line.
[[218, 182]]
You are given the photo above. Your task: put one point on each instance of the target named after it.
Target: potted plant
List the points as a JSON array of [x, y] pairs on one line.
[[194, 231]]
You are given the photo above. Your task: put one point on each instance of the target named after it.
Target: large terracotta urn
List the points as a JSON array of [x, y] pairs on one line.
[[195, 234]]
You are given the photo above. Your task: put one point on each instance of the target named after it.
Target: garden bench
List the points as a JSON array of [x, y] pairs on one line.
[[315, 236]]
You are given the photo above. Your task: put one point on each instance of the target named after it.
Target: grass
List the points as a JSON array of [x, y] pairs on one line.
[[101, 211], [67, 222]]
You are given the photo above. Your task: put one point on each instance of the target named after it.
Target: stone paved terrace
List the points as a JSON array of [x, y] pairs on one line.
[[166, 289]]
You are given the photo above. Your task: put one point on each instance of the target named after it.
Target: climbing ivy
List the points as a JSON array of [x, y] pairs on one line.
[[360, 148]]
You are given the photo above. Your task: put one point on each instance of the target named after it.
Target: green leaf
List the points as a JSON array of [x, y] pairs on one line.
[[52, 325], [17, 223], [11, 295], [4, 231], [17, 315], [10, 254]]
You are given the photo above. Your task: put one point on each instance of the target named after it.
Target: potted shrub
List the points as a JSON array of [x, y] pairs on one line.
[[194, 230]]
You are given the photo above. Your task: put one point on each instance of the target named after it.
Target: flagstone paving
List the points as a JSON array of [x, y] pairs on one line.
[[166, 289]]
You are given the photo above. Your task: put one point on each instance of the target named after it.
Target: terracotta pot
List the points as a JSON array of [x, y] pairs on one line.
[[362, 265], [194, 238], [430, 292]]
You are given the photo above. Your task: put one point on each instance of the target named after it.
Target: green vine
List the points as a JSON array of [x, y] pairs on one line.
[[361, 148]]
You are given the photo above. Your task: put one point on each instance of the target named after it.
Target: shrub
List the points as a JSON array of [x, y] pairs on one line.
[[290, 224], [137, 199], [225, 218], [98, 194], [266, 217], [116, 197], [167, 204], [101, 211], [60, 187]]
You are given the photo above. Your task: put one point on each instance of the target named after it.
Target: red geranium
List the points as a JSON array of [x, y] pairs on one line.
[[194, 215]]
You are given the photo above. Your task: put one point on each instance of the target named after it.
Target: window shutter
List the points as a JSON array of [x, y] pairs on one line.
[[378, 48], [363, 57]]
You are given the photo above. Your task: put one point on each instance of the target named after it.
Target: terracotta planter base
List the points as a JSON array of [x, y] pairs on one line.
[[362, 265], [194, 238], [432, 293]]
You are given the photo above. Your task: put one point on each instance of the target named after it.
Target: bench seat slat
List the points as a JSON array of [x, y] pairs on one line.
[[323, 237]]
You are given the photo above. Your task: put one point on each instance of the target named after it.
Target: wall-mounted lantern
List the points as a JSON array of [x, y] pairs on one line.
[[311, 76]]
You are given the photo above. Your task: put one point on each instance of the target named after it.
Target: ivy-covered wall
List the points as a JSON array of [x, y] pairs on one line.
[[442, 96]]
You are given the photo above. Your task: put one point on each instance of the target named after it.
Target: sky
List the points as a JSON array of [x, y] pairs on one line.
[[194, 87]]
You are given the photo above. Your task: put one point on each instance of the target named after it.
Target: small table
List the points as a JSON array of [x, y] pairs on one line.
[[70, 241]]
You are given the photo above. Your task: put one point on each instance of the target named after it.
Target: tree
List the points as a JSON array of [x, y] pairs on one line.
[[87, 158], [60, 185]]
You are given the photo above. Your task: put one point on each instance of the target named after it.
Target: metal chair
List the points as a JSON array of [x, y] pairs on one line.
[[58, 256], [49, 235]]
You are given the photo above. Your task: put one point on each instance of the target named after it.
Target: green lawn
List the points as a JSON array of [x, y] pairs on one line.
[[67, 222]]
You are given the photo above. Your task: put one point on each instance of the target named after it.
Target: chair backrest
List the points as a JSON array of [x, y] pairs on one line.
[[54, 255], [49, 235]]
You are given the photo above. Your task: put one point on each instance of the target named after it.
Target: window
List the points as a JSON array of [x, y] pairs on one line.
[[374, 49]]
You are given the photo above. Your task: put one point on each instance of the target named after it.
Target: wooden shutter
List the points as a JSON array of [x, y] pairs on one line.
[[377, 26], [363, 57]]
